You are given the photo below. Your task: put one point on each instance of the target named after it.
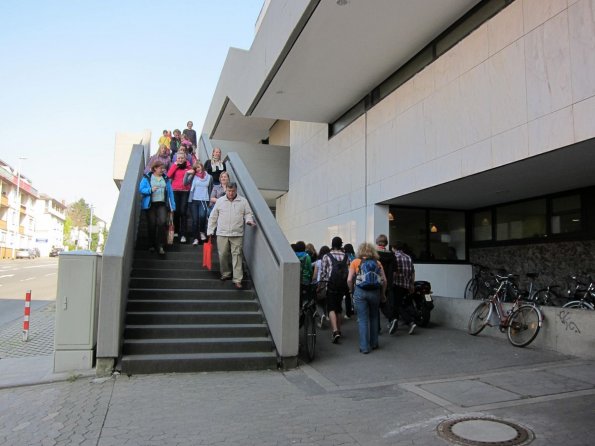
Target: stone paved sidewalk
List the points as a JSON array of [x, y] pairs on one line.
[[395, 396], [41, 335]]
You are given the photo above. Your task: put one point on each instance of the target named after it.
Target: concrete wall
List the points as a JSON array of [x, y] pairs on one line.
[[123, 149], [566, 331], [279, 133]]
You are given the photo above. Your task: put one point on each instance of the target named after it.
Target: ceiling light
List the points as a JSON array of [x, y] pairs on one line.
[[433, 228], [342, 2]]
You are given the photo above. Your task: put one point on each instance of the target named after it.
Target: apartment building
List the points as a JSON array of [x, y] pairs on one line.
[[461, 128], [49, 224], [17, 211]]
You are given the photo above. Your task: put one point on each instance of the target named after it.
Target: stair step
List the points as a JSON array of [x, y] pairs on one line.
[[181, 316], [198, 362], [194, 331], [175, 273], [192, 305], [192, 294], [170, 254], [188, 345], [162, 262], [163, 283]]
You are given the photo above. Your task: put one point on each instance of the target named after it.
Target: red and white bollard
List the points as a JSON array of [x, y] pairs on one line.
[[26, 318]]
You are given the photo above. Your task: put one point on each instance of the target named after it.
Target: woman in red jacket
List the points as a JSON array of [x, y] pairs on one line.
[[176, 173]]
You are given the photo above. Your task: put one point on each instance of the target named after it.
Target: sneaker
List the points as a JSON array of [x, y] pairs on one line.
[[346, 317], [152, 249], [195, 242], [392, 327], [161, 251], [183, 239], [203, 237], [412, 328], [175, 234], [336, 336]]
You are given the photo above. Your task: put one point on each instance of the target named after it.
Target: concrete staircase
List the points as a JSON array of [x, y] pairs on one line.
[[181, 317]]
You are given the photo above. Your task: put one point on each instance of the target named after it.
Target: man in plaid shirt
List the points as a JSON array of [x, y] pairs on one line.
[[403, 287]]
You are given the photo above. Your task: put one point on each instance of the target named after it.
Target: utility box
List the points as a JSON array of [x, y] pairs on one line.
[[77, 308]]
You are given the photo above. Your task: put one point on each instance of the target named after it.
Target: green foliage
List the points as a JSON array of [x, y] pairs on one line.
[[79, 212]]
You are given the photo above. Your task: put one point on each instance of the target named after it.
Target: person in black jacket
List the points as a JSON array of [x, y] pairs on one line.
[[215, 165], [389, 264], [191, 134]]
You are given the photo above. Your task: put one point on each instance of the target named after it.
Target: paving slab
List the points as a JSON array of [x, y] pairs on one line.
[[468, 393]]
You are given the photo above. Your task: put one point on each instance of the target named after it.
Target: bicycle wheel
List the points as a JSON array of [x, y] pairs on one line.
[[579, 305], [308, 335], [523, 325], [479, 318], [471, 289]]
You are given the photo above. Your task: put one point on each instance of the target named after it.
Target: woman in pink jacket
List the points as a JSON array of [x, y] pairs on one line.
[[176, 174]]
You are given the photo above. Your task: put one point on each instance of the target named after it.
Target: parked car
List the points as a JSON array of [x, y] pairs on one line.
[[55, 252], [25, 254]]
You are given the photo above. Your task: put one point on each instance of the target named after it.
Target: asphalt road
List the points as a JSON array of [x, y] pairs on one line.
[[17, 276]]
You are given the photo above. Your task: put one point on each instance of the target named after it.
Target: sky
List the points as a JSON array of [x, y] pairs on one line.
[[76, 72]]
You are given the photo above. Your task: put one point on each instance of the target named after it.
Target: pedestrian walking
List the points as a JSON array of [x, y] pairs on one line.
[[157, 200], [228, 216], [334, 272], [404, 286], [368, 283]]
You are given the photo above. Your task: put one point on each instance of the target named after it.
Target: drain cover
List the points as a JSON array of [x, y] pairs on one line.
[[476, 431]]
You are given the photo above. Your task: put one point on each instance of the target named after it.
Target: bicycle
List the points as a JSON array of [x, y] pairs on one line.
[[480, 284], [543, 296], [583, 296], [307, 325], [521, 323]]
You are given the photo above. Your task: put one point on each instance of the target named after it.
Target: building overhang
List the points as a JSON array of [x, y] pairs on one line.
[[559, 170], [312, 60]]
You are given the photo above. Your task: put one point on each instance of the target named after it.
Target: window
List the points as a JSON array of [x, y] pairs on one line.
[[566, 214], [447, 235], [409, 227], [429, 234], [521, 220], [482, 226]]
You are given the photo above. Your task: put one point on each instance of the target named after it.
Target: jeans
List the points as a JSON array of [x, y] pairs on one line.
[[366, 305], [156, 219], [198, 210], [181, 199]]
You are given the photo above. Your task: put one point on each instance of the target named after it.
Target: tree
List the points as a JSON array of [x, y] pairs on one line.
[[79, 212]]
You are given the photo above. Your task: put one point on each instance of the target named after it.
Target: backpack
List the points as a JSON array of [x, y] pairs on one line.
[[339, 271], [368, 275], [305, 269]]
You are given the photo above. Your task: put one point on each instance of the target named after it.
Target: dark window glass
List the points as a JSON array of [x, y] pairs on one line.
[[521, 220], [566, 214], [447, 235], [409, 227], [482, 226]]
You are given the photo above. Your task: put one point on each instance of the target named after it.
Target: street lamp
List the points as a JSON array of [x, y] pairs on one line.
[[90, 226], [18, 206]]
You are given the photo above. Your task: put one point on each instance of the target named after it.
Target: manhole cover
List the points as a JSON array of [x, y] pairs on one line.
[[475, 431]]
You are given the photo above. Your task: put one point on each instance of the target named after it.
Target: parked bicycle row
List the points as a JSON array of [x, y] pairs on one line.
[[578, 291]]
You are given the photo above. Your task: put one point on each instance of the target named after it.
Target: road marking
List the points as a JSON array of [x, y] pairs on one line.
[[40, 266], [9, 275], [50, 274], [28, 278]]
